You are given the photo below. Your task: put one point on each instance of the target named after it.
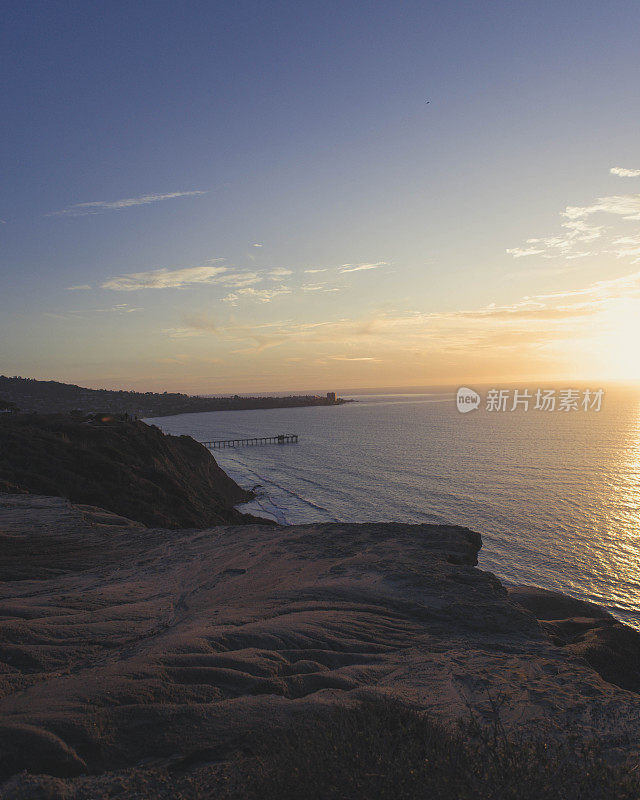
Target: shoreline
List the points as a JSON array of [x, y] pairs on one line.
[[279, 515]]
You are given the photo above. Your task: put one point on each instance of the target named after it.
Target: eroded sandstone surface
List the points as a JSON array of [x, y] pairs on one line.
[[123, 646]]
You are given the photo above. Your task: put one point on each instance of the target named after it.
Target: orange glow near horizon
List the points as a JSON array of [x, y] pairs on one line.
[[614, 342]]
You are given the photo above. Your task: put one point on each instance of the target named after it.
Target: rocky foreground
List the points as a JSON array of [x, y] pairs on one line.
[[126, 650]]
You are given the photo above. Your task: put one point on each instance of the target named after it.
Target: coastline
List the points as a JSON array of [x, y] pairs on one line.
[[547, 519]]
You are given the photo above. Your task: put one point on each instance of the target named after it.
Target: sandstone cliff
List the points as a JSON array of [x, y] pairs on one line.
[[125, 647], [128, 468]]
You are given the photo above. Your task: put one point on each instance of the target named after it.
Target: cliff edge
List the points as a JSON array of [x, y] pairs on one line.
[[128, 648], [129, 468]]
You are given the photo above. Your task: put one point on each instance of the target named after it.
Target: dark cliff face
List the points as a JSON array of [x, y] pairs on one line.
[[129, 468], [586, 631]]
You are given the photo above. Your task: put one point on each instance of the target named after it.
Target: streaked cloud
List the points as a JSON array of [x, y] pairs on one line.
[[612, 288], [165, 278], [539, 335], [278, 272], [361, 267], [523, 252], [259, 295], [353, 358], [237, 280], [578, 237], [627, 247], [80, 288], [318, 287], [537, 318], [84, 314], [312, 271], [622, 172], [121, 308], [99, 206], [576, 232], [626, 206], [211, 272]]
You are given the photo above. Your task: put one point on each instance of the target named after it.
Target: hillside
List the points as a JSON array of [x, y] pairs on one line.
[[53, 397], [128, 468]]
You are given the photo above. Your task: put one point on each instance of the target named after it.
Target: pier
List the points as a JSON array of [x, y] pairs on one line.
[[282, 438]]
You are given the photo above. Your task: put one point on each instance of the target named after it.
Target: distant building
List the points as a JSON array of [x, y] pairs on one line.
[[331, 397]]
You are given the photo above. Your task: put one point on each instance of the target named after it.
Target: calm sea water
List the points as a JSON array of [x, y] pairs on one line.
[[556, 496]]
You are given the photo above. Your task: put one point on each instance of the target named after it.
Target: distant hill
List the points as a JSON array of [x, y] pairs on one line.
[[52, 397]]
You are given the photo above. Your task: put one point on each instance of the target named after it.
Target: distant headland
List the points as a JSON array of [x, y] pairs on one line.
[[53, 397]]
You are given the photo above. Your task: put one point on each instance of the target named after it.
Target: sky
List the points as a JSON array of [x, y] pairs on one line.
[[218, 197]]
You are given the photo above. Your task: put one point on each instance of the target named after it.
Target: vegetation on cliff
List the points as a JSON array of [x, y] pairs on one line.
[[385, 750], [129, 468]]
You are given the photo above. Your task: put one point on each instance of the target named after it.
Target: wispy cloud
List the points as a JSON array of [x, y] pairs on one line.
[[211, 272], [626, 206], [532, 334], [80, 288], [578, 237], [627, 247], [576, 233], [165, 278], [612, 288], [120, 308], [540, 318], [243, 283], [360, 267], [237, 280], [98, 206], [523, 252], [260, 295], [353, 358], [319, 287], [278, 272], [622, 172]]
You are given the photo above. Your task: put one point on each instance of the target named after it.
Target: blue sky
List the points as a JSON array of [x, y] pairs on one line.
[[295, 215]]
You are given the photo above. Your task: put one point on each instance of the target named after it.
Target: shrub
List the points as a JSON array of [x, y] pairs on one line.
[[384, 751]]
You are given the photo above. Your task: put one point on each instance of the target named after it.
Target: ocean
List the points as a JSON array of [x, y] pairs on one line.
[[555, 494]]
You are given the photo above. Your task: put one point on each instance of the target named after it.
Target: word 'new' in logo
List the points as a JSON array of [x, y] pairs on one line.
[[467, 400]]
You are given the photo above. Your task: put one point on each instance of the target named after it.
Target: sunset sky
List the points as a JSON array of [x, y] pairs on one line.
[[245, 196]]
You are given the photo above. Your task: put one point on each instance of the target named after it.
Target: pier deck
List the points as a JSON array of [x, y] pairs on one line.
[[282, 438]]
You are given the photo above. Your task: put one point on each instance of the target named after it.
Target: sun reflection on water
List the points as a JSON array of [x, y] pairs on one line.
[[620, 512]]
